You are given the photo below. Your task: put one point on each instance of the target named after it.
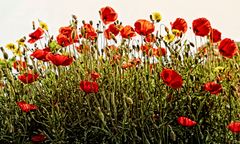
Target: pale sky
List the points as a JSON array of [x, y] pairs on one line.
[[17, 15]]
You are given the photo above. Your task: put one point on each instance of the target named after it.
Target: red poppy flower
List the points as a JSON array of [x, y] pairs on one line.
[[171, 78], [95, 75], [228, 48], [159, 52], [215, 35], [68, 35], [150, 38], [88, 32], [38, 138], [179, 24], [41, 54], [234, 127], [67, 31], [19, 65], [112, 29], [184, 121], [144, 27], [108, 34], [36, 35], [213, 87], [28, 77], [108, 15], [63, 40], [26, 107], [201, 27], [58, 59], [127, 32], [89, 87]]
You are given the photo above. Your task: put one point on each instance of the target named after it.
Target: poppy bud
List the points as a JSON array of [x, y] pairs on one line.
[[129, 100], [101, 115], [179, 58], [166, 29], [91, 22], [74, 17], [191, 44], [5, 55], [2, 49], [33, 24], [151, 18], [233, 88], [177, 41], [173, 135]]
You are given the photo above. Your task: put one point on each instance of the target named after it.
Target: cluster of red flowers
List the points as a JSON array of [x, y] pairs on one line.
[[69, 35]]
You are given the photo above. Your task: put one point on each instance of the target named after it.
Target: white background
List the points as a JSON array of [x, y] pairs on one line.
[[17, 15]]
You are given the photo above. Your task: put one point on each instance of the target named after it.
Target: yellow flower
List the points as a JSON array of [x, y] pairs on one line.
[[218, 69], [176, 32], [156, 16], [169, 38], [43, 25], [21, 42], [11, 46], [17, 52]]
